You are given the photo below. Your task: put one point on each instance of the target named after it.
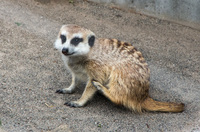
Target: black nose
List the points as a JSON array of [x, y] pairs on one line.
[[65, 51]]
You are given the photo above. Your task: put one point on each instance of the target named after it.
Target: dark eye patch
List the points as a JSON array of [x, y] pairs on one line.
[[63, 38], [91, 40], [75, 41]]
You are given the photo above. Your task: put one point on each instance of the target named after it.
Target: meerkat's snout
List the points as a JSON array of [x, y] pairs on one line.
[[66, 52]]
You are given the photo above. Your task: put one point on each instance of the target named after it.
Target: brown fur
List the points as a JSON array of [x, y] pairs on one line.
[[118, 70], [126, 78]]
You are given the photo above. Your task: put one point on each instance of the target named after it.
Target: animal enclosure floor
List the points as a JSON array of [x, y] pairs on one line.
[[31, 70]]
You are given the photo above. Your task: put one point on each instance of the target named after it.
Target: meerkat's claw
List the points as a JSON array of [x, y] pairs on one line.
[[97, 85], [59, 91], [73, 104], [63, 91]]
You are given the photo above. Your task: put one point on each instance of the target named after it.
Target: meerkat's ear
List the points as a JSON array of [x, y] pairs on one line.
[[91, 40]]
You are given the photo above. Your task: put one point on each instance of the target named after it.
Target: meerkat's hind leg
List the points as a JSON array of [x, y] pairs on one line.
[[105, 91], [97, 85], [71, 88]]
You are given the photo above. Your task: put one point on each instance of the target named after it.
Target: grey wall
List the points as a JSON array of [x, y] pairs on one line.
[[186, 12]]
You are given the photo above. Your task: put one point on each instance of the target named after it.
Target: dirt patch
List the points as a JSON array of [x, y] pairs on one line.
[[31, 70]]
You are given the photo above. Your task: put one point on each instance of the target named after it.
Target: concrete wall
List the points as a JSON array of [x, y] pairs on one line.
[[186, 12]]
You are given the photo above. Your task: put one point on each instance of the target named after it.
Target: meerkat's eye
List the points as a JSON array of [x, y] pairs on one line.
[[63, 38], [91, 40], [75, 41]]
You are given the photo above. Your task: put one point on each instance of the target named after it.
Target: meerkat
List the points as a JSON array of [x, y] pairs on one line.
[[115, 68]]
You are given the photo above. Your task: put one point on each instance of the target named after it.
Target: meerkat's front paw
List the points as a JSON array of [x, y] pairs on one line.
[[64, 91], [73, 104]]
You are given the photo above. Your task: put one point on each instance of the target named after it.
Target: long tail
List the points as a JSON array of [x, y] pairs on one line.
[[151, 105]]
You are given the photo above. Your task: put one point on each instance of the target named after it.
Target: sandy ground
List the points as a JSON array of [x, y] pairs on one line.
[[31, 70]]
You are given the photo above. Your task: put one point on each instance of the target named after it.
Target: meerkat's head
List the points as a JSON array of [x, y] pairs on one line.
[[73, 40]]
